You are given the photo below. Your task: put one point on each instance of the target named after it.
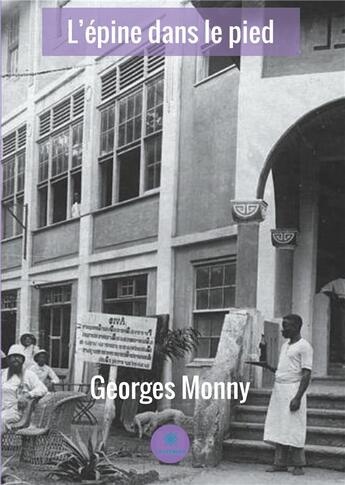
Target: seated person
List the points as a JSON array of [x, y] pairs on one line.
[[18, 386], [43, 371]]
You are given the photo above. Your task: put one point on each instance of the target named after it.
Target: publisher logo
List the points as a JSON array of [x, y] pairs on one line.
[[170, 443]]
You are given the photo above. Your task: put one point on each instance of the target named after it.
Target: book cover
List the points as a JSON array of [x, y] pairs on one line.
[[173, 241]]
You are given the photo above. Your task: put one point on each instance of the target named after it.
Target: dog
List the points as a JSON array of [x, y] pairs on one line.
[[146, 423]]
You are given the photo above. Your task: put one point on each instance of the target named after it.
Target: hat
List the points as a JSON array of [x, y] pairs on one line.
[[28, 335], [16, 350], [3, 355], [40, 351]]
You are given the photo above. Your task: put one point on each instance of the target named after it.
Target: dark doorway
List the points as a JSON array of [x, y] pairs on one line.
[[59, 200], [8, 319], [8, 330], [331, 255]]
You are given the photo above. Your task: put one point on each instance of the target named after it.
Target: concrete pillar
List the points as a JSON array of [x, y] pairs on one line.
[[247, 265], [304, 275], [167, 201], [321, 330], [266, 256], [87, 202], [283, 285], [28, 322], [247, 214], [284, 240]]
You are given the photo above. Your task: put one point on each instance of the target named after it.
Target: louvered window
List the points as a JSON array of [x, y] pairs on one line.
[[62, 113], [60, 160], [78, 103], [109, 86], [132, 71], [45, 123], [9, 144], [155, 58], [22, 136], [13, 181]]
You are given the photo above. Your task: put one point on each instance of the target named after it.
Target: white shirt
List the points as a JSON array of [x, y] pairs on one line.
[[75, 211], [11, 387], [293, 358], [44, 372]]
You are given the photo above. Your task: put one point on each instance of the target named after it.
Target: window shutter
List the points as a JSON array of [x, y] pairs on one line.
[[9, 144], [155, 58], [78, 103], [131, 71], [22, 136], [109, 84], [44, 123], [62, 113]]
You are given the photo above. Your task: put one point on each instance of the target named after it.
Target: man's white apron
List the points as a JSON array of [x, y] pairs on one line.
[[282, 425]]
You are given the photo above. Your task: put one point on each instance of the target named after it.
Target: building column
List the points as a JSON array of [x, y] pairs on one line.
[[28, 321], [284, 240], [305, 260], [87, 203], [167, 201], [248, 215]]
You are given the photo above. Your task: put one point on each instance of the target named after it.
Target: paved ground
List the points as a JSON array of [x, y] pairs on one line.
[[132, 453], [225, 474], [246, 474]]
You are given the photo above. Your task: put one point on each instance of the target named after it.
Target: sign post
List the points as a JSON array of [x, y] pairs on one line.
[[115, 340], [109, 407]]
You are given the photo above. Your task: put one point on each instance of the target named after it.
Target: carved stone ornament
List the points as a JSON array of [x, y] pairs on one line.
[[248, 210], [284, 238]]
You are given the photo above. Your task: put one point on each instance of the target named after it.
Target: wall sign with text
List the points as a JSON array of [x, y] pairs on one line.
[[118, 340]]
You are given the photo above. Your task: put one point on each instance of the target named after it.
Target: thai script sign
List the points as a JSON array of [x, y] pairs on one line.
[[117, 340]]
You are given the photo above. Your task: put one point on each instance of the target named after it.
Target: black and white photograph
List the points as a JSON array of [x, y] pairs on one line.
[[173, 244]]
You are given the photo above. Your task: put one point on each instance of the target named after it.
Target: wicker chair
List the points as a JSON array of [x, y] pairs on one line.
[[42, 441], [10, 441], [83, 411]]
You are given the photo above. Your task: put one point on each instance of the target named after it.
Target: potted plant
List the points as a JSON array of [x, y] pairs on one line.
[[86, 463]]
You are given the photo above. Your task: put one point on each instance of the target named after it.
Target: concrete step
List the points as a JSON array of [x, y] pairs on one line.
[[239, 450], [316, 435], [332, 418], [319, 400]]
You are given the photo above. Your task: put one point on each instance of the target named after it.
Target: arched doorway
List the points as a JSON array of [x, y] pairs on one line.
[[308, 171]]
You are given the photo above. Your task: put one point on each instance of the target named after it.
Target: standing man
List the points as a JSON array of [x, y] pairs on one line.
[[75, 210], [286, 420], [29, 347]]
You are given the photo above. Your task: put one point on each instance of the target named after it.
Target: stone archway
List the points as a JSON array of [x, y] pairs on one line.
[[308, 170]]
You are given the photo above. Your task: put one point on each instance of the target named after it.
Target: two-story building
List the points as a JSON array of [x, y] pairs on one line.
[[174, 185]]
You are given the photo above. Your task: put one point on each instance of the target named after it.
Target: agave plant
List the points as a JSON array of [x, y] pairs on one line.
[[81, 462]]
